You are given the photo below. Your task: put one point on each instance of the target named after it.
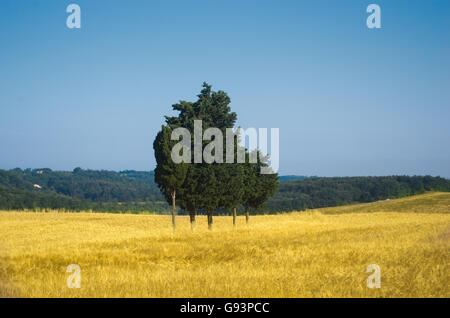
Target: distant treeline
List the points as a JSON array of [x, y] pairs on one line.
[[136, 191], [298, 195], [79, 190]]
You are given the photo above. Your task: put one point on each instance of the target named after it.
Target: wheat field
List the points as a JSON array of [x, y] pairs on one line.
[[316, 253]]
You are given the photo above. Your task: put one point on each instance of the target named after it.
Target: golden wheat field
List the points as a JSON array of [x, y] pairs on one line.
[[317, 253]]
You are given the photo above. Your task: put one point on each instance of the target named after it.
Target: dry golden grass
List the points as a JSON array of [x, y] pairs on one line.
[[318, 253]]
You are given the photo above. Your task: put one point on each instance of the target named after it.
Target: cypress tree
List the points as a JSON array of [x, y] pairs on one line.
[[231, 182], [168, 175], [258, 187], [208, 189], [214, 111]]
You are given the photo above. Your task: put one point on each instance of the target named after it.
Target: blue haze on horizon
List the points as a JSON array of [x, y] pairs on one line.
[[349, 101]]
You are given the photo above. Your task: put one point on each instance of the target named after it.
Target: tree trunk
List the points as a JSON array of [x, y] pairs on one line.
[[210, 220], [192, 218], [234, 216], [246, 215], [174, 225]]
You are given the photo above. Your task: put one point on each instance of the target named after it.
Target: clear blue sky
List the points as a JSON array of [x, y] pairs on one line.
[[348, 100]]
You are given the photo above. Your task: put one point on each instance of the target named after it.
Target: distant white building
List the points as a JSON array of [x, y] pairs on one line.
[[37, 186]]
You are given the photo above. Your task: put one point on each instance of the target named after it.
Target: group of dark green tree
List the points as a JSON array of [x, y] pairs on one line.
[[209, 187]]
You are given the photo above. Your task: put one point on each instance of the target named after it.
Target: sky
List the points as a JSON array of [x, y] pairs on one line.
[[348, 100]]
